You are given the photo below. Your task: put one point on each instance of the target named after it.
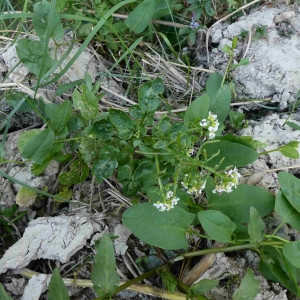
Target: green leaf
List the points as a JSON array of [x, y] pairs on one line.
[[289, 152], [104, 168], [220, 103], [273, 265], [232, 154], [166, 230], [218, 226], [89, 149], [213, 84], [3, 294], [120, 118], [291, 251], [208, 9], [248, 289], [293, 144], [197, 110], [57, 288], [40, 20], [236, 205], [141, 16], [61, 116], [104, 275], [149, 100], [243, 140], [86, 102], [163, 8], [290, 187], [255, 227], [102, 129], [160, 145], [25, 137], [25, 196], [236, 119], [203, 286], [242, 62], [293, 125], [62, 88], [286, 211], [30, 54], [38, 147], [168, 280], [79, 171], [122, 122]]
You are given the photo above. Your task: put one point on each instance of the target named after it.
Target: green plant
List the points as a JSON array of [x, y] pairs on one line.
[[168, 163], [164, 164], [260, 33]]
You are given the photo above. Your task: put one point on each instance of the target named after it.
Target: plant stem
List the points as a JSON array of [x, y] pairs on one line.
[[227, 69], [277, 228], [158, 172]]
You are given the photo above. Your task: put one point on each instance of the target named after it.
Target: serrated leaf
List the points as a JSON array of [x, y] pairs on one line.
[[86, 102], [218, 226], [40, 20], [220, 103], [104, 168], [289, 152], [213, 84], [104, 275], [79, 171], [286, 211], [38, 147], [30, 54], [291, 251], [168, 280], [255, 227], [3, 294], [290, 187], [248, 289], [57, 288], [141, 16], [168, 231], [203, 286], [197, 110], [61, 116], [149, 101], [231, 154], [25, 196], [236, 205]]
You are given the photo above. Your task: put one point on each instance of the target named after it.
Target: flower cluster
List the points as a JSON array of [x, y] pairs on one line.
[[211, 124], [193, 183], [169, 203], [229, 180], [194, 24]]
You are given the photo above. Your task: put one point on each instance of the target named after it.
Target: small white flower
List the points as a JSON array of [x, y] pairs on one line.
[[215, 117], [169, 195], [211, 135], [203, 123]]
